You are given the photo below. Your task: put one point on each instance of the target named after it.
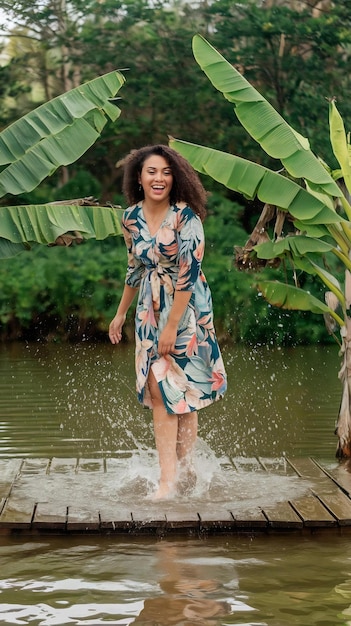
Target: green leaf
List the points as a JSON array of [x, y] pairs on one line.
[[261, 120], [296, 245], [42, 224], [254, 180], [312, 230], [339, 143], [292, 298], [56, 133], [9, 249]]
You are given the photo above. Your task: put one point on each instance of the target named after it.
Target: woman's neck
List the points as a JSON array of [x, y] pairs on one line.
[[155, 207]]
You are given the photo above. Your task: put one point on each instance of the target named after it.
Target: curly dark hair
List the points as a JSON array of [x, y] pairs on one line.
[[186, 187]]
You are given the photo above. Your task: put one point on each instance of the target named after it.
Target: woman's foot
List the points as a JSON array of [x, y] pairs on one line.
[[187, 480], [164, 492]]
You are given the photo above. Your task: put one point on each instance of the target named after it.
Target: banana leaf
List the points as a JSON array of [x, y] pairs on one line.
[[292, 298], [254, 180], [309, 266], [298, 245], [262, 121], [23, 226], [340, 145], [56, 133]]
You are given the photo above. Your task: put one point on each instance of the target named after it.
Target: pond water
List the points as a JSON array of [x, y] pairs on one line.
[[79, 401]]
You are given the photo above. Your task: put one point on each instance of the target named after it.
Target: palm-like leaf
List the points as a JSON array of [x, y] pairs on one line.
[[23, 226], [254, 180], [292, 298], [312, 206], [340, 145], [56, 133], [261, 120], [296, 246]]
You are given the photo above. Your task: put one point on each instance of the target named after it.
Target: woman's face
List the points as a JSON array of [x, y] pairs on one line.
[[156, 179]]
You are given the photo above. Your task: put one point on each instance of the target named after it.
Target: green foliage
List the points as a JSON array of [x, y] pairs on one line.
[[311, 205], [295, 60], [61, 292], [70, 293], [241, 314], [81, 185]]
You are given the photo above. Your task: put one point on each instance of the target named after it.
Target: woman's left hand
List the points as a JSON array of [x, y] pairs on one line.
[[166, 342]]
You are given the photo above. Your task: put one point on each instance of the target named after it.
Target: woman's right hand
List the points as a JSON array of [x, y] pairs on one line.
[[115, 328]]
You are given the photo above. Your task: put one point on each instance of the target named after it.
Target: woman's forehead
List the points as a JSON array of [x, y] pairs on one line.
[[157, 161]]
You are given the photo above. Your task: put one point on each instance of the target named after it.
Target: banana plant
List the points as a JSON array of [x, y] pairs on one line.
[[55, 134], [305, 196]]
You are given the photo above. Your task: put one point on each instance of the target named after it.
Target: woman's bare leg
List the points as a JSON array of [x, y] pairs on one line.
[[187, 435], [166, 432]]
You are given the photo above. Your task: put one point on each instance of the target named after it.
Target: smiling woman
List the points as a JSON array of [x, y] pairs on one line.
[[156, 179], [179, 366]]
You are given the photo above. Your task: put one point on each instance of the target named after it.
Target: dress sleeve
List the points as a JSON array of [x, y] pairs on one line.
[[135, 266], [191, 249]]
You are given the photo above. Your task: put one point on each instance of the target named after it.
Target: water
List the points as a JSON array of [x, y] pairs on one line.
[[277, 580], [78, 401]]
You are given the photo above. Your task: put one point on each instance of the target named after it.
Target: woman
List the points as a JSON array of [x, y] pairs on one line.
[[179, 367]]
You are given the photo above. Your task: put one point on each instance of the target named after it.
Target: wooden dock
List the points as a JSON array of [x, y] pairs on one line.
[[67, 496]]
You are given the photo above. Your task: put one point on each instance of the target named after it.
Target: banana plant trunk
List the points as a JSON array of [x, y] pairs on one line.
[[343, 427]]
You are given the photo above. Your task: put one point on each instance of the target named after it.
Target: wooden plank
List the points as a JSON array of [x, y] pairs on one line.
[[326, 490], [91, 465], [180, 518], [312, 512], [82, 519], [277, 465], [145, 519], [282, 515], [31, 502], [63, 466], [113, 464], [247, 464], [9, 470], [34, 467], [115, 517], [307, 468], [338, 505], [218, 519], [250, 519], [17, 513], [50, 516], [20, 505], [342, 476]]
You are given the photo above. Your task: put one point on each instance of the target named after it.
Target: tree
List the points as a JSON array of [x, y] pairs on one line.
[[295, 53], [82, 40], [304, 191]]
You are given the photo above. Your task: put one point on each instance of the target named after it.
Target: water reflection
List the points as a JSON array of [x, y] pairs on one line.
[[185, 596], [251, 581]]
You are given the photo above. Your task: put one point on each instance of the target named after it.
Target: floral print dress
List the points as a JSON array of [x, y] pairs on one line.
[[193, 376]]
